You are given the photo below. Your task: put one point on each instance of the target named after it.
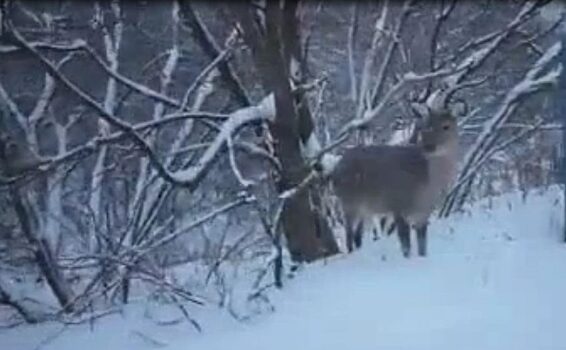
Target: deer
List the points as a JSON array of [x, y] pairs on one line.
[[403, 182]]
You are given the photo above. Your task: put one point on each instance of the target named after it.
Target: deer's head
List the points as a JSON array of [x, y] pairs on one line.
[[437, 122]]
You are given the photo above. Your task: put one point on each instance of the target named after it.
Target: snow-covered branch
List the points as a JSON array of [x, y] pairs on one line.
[[352, 31], [265, 110], [62, 46], [535, 80], [393, 44], [491, 42], [406, 79], [186, 178], [538, 78], [151, 245], [379, 30]]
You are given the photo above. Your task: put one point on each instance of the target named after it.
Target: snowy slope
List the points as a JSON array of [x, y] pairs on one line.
[[494, 280]]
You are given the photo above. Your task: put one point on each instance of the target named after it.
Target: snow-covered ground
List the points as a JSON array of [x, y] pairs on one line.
[[495, 279]]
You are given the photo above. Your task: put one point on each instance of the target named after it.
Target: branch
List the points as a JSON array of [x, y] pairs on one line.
[[7, 299], [234, 165], [441, 18], [63, 47], [149, 246], [265, 110], [105, 115], [207, 42], [408, 78], [536, 79], [379, 29], [493, 42], [222, 57], [380, 80], [352, 31], [188, 178], [487, 156]]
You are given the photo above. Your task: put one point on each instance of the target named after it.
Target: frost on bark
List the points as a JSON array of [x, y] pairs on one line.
[[276, 53]]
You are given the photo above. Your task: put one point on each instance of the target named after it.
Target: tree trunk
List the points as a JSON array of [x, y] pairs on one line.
[[307, 234], [43, 255]]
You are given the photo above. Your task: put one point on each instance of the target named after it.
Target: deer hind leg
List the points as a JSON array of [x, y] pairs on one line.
[[353, 228], [349, 239], [358, 233], [383, 222], [404, 233], [421, 239]]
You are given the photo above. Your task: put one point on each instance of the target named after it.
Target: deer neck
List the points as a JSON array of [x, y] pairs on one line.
[[442, 167]]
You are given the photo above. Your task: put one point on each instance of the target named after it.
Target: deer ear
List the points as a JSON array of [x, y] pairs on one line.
[[420, 109], [459, 109]]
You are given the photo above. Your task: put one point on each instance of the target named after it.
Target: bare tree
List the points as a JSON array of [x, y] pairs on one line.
[[138, 128], [278, 60]]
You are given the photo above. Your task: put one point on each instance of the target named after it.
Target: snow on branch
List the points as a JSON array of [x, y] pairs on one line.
[[188, 178], [492, 42], [539, 77], [393, 44], [151, 245], [488, 155], [68, 46], [379, 29], [81, 45], [407, 78], [102, 112], [533, 81], [265, 110]]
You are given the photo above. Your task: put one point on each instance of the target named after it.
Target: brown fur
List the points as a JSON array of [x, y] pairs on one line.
[[406, 182]]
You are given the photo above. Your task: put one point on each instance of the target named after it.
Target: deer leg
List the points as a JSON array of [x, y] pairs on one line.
[[384, 228], [349, 221], [421, 239], [358, 233], [404, 233], [391, 229]]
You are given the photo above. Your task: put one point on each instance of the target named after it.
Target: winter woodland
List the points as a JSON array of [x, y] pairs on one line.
[[167, 162]]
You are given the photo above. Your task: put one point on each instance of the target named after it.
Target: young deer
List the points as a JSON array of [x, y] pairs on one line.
[[405, 181]]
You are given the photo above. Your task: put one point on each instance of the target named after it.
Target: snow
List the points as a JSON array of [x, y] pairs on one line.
[[328, 162], [265, 110], [401, 136], [493, 280]]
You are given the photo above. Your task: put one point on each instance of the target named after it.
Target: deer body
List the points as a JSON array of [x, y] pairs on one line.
[[404, 181]]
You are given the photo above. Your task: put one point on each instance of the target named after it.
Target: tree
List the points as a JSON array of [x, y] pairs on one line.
[[277, 52], [154, 128]]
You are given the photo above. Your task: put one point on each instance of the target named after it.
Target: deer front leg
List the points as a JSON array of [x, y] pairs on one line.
[[404, 233], [349, 219], [421, 239], [358, 233], [354, 230]]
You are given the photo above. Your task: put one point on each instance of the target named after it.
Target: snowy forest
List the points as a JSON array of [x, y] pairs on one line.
[[252, 174]]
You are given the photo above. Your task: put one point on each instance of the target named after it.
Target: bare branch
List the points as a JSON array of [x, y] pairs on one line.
[[352, 31], [149, 246], [203, 36], [222, 56], [188, 178], [379, 29], [393, 44], [408, 78], [63, 46]]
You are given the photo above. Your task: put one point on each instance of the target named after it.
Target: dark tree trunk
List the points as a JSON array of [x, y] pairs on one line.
[[307, 233], [43, 255]]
